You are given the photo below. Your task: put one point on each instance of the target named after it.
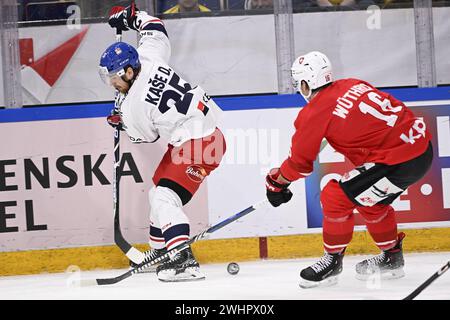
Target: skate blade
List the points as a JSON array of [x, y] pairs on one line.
[[384, 275], [182, 279], [306, 284], [188, 275], [150, 269]]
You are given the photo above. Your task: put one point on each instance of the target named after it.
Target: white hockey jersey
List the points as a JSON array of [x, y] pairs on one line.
[[160, 103]]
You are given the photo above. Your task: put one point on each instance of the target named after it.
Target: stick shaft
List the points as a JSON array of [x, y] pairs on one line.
[[132, 253], [427, 282]]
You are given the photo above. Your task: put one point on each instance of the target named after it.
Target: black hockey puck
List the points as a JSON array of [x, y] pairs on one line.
[[233, 268]]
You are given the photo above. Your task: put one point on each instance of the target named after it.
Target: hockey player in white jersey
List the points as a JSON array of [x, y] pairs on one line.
[[157, 103]]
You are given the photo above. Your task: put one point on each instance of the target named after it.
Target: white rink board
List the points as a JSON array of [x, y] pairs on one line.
[[77, 211], [262, 139], [81, 214]]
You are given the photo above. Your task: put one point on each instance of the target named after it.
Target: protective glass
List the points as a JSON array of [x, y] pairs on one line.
[[109, 77]]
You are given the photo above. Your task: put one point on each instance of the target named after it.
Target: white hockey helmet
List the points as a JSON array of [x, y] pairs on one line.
[[314, 68]]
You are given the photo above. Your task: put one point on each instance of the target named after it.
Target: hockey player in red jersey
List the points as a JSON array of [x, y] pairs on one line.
[[155, 102], [389, 147]]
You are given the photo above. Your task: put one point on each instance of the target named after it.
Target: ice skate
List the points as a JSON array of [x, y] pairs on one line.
[[149, 255], [323, 273], [389, 264], [182, 267]]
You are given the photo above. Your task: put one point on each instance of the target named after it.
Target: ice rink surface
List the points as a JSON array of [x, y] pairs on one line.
[[257, 280]]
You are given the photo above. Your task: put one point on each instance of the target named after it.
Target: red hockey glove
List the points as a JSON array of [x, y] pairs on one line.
[[115, 120], [277, 189], [122, 18]]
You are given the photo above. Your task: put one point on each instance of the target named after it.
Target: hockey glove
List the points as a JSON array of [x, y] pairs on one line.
[[277, 192], [122, 18], [115, 120]]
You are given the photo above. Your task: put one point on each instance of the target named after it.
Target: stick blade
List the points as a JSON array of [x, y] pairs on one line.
[[93, 282], [83, 282]]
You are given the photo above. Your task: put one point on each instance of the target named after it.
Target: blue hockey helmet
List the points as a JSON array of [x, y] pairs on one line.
[[115, 59]]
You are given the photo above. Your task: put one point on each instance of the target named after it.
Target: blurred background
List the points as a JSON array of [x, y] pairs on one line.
[[33, 10], [229, 47]]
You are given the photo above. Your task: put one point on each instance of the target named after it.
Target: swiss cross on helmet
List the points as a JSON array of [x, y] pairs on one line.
[[115, 59], [314, 68]]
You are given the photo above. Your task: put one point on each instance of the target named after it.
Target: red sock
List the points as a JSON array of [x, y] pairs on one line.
[[381, 224]]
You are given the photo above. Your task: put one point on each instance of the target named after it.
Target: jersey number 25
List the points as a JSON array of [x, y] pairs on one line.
[[179, 94]]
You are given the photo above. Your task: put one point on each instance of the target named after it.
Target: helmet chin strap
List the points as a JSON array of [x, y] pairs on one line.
[[312, 93], [131, 81], [308, 96], [298, 86]]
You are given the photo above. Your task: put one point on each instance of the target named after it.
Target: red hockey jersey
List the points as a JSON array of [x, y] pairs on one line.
[[359, 121]]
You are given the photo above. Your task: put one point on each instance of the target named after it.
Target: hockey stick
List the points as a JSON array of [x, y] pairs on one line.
[[166, 256], [131, 252], [424, 285]]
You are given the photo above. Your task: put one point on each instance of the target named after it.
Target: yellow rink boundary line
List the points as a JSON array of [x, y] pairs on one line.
[[212, 251]]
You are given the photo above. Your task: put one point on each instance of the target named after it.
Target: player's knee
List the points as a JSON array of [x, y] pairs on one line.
[[328, 189], [167, 208], [162, 197], [335, 202], [376, 213], [330, 193]]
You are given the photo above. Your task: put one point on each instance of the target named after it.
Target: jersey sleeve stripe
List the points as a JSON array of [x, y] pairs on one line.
[[152, 21], [154, 26]]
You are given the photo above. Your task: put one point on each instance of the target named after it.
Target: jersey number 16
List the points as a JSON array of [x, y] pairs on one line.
[[385, 106]]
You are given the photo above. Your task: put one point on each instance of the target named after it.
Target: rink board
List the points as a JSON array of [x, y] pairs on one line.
[[57, 194], [212, 251]]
